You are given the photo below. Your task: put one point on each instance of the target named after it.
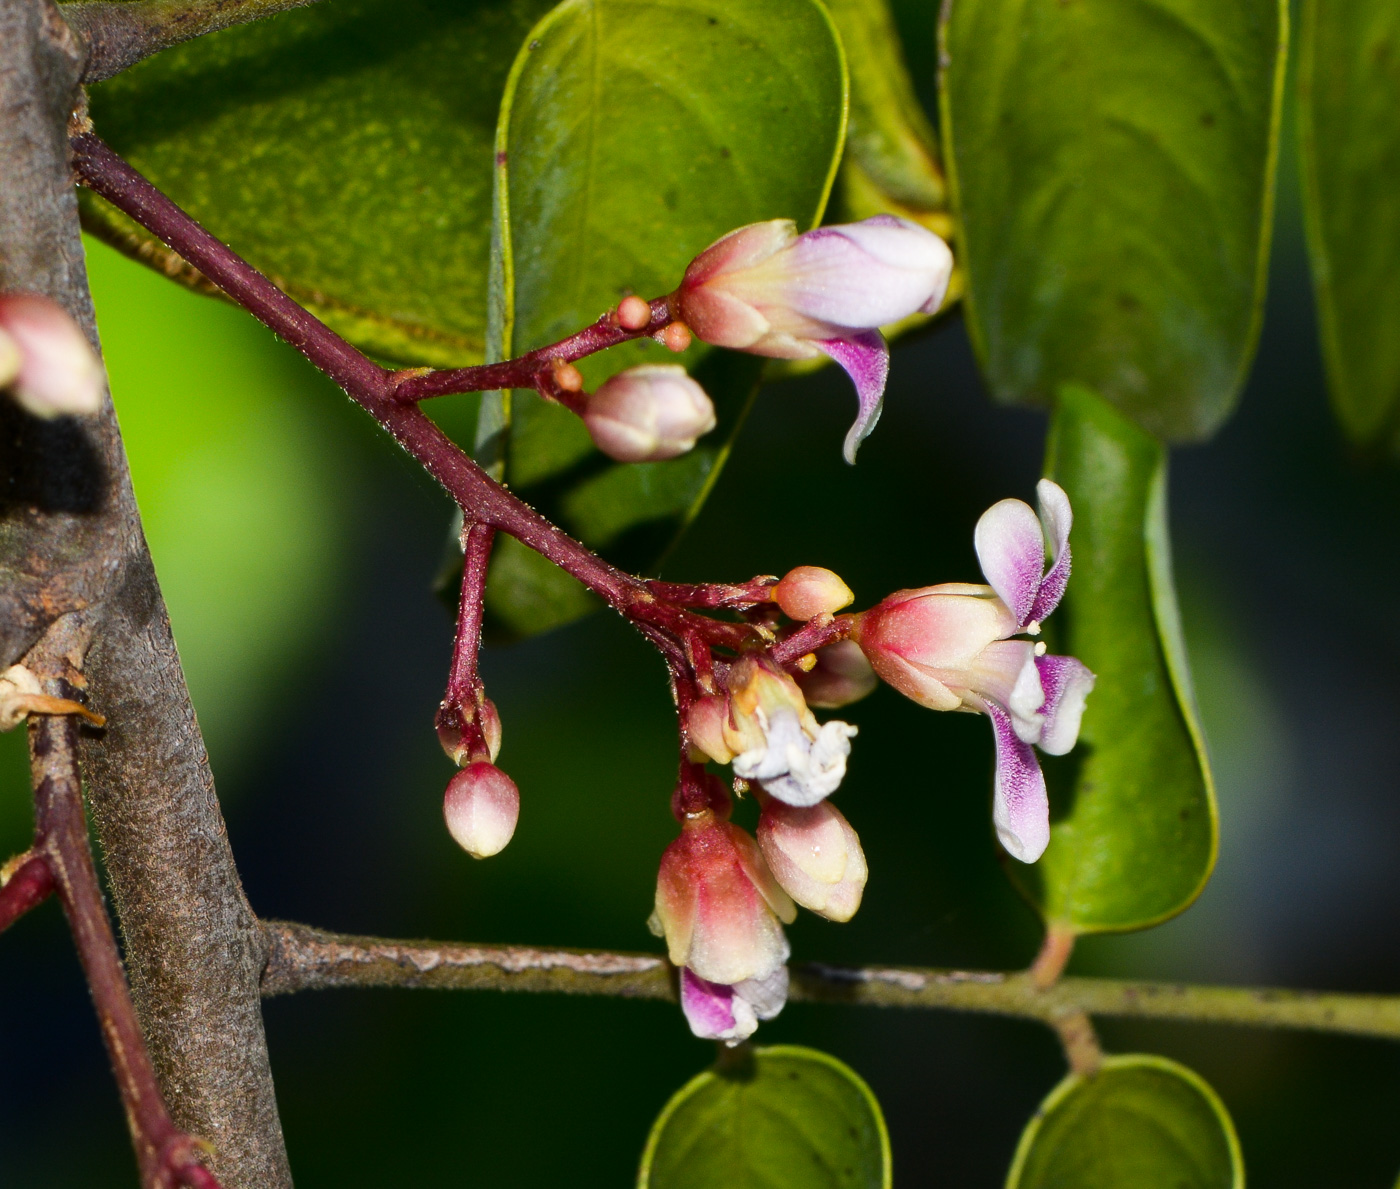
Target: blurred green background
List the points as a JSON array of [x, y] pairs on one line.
[[297, 549]]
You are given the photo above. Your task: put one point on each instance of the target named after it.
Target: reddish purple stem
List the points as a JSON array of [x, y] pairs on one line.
[[30, 884]]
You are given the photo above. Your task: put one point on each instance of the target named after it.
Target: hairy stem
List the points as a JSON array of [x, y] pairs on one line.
[[119, 34], [301, 958]]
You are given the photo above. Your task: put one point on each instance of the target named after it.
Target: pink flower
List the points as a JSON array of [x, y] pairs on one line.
[[717, 904], [767, 290], [951, 647]]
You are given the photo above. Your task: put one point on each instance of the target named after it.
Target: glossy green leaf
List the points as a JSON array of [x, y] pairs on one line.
[[770, 1118], [345, 149], [1348, 99], [631, 137], [1140, 1121], [1112, 166], [1133, 821]]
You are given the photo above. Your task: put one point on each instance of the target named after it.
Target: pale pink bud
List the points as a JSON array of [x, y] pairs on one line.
[[58, 373], [482, 806], [648, 413], [809, 591], [815, 855], [768, 290], [718, 905], [704, 727], [841, 676]]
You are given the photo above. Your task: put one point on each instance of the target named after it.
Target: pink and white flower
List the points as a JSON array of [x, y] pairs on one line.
[[721, 912], [770, 291], [956, 647]]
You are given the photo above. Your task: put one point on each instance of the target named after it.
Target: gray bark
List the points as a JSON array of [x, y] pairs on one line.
[[71, 541]]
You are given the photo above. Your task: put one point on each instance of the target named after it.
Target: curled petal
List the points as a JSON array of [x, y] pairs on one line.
[[1020, 808], [710, 1009], [1012, 552], [1066, 682], [1056, 517], [794, 768], [866, 358], [1004, 672]]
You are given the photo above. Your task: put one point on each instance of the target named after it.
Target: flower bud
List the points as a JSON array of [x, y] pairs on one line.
[[815, 855], [841, 676], [704, 727], [768, 290], [717, 904], [809, 591], [482, 806], [58, 373], [648, 413], [455, 728]]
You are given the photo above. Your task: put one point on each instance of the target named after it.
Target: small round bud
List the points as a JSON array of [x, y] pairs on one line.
[[633, 313], [809, 591], [648, 413], [481, 807], [840, 676], [567, 376], [58, 373], [704, 727], [676, 337]]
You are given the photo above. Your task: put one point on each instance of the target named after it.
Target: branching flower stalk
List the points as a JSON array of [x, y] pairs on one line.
[[722, 895]]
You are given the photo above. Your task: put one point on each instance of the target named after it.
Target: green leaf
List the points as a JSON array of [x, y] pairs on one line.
[[1348, 96], [344, 149], [1140, 1121], [890, 145], [631, 137], [1112, 165], [1133, 821], [771, 1118]]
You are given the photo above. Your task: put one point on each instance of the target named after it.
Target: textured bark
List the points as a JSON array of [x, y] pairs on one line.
[[71, 541]]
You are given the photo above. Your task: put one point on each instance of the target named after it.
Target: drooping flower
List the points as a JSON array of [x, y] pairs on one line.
[[953, 647], [815, 855], [765, 729], [648, 413], [719, 909], [45, 360], [768, 290]]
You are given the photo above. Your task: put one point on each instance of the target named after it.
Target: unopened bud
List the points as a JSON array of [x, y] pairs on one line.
[[481, 807], [809, 591], [58, 373], [815, 855], [633, 313], [841, 676], [648, 413]]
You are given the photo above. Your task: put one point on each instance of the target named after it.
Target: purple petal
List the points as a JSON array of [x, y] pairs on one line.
[[1056, 516], [866, 358], [1066, 682], [708, 1007], [1020, 808], [1012, 553]]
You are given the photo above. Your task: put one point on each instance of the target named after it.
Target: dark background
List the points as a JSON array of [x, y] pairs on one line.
[[297, 549]]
